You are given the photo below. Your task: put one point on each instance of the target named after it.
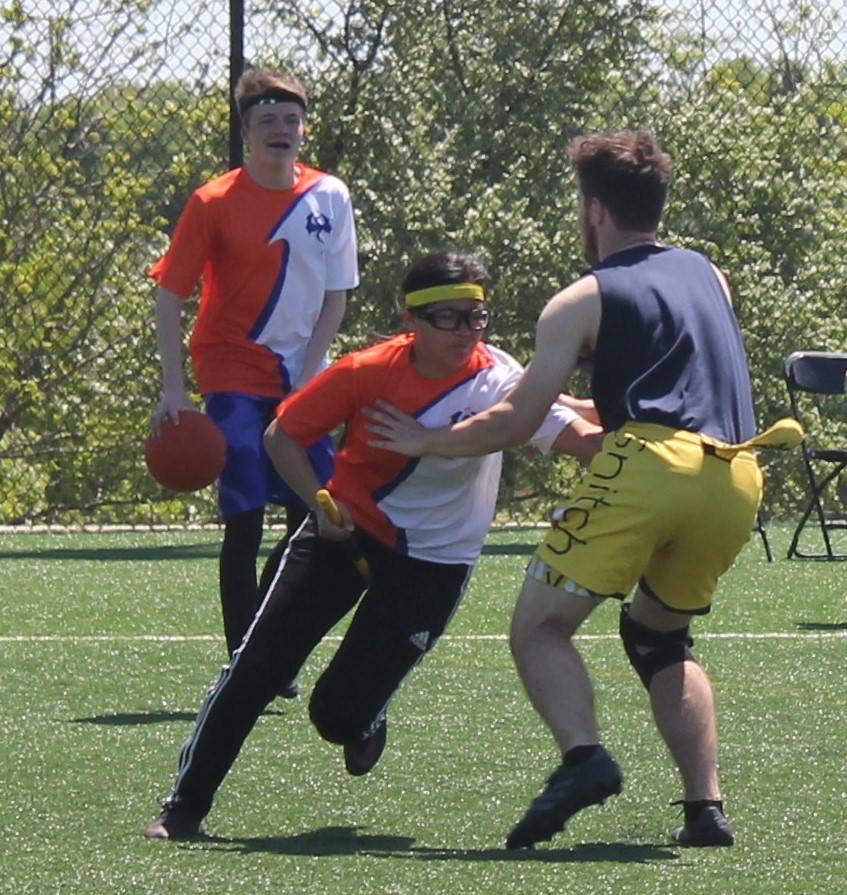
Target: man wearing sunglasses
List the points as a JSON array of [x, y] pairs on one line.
[[419, 524]]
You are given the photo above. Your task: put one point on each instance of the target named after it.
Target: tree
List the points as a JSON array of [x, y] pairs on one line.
[[448, 118], [85, 179]]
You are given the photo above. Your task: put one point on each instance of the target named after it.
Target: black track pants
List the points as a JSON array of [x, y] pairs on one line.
[[397, 621]]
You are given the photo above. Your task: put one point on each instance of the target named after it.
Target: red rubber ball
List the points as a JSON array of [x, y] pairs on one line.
[[186, 456]]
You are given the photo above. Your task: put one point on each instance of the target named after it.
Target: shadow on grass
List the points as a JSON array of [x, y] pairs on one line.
[[127, 719], [588, 852], [200, 550], [324, 841], [822, 626], [205, 550], [509, 549], [351, 841]]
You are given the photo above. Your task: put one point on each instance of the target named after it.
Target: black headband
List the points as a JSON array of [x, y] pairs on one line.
[[269, 97]]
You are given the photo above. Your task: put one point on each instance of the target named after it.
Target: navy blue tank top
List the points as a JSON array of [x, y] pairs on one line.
[[669, 349]]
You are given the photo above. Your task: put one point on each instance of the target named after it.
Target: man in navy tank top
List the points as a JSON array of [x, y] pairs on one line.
[[665, 506]]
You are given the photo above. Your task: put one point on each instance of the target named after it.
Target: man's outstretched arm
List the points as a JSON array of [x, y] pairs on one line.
[[566, 329]]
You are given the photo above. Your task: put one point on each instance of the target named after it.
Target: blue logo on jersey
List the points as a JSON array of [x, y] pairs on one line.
[[319, 224]]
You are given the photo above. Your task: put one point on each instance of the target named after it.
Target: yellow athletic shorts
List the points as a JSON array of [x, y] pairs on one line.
[[655, 505]]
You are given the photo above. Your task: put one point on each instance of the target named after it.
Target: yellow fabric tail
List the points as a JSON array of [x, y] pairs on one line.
[[783, 435]]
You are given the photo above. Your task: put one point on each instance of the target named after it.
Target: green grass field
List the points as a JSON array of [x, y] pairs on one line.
[[109, 640]]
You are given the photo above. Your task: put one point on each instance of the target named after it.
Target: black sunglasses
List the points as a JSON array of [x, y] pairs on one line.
[[452, 319]]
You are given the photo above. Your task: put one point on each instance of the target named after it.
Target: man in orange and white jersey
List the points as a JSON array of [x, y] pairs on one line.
[[274, 246], [419, 524]]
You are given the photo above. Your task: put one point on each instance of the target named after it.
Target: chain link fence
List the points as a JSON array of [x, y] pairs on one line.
[[448, 119]]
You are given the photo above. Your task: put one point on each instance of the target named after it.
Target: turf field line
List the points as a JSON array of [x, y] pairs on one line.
[[202, 638]]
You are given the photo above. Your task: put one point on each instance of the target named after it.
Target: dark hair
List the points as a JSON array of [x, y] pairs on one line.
[[441, 268], [257, 82], [627, 171]]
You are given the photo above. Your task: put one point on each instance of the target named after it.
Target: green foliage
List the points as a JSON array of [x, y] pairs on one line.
[[448, 118], [86, 182], [450, 123], [769, 207]]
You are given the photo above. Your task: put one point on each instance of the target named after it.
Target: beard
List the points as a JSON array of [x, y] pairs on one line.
[[590, 246]]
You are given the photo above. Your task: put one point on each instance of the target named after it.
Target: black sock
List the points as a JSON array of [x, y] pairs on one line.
[[579, 754], [693, 809], [237, 564]]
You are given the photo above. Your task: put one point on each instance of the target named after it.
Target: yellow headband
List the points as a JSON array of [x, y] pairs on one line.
[[444, 293]]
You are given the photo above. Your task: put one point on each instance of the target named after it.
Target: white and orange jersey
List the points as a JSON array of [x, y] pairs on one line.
[[432, 508], [265, 258]]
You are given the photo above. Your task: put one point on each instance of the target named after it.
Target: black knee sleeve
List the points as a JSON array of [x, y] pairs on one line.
[[650, 651]]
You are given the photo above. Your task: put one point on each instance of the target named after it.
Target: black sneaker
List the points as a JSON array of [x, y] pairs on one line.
[[705, 825], [361, 755], [173, 824], [569, 789], [291, 690]]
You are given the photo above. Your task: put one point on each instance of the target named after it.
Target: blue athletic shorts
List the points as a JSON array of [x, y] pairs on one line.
[[249, 480]]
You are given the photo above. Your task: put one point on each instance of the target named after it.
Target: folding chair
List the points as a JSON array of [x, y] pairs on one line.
[[763, 534], [819, 373]]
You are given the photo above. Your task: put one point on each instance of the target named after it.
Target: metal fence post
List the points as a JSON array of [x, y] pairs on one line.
[[236, 66]]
